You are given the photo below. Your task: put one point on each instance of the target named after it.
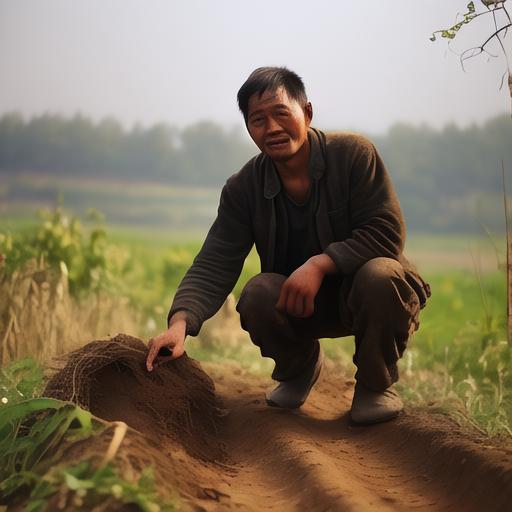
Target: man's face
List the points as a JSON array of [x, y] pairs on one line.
[[278, 124]]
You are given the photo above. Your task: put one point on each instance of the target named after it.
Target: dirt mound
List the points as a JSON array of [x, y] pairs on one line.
[[176, 402]]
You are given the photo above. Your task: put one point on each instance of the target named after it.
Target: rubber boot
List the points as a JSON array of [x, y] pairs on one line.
[[370, 406], [291, 394]]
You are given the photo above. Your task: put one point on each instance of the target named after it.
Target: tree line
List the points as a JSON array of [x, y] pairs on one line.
[[441, 175], [201, 154], [451, 160], [450, 179]]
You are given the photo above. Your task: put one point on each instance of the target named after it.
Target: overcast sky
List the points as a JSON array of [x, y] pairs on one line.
[[366, 64]]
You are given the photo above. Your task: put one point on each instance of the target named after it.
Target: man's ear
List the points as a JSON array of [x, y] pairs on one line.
[[308, 112]]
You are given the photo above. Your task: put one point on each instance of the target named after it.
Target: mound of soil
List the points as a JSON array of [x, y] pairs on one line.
[[175, 402]]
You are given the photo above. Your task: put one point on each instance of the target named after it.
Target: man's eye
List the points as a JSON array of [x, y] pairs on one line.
[[257, 120], [282, 114]]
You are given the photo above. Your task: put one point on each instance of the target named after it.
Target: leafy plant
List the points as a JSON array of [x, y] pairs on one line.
[[82, 487], [33, 434], [20, 380], [60, 239]]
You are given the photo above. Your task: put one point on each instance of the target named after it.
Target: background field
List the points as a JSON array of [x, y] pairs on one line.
[[459, 356]]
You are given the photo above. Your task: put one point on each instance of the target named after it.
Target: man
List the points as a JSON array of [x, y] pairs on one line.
[[329, 231]]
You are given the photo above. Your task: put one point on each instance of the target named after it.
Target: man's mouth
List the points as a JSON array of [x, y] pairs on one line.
[[277, 143]]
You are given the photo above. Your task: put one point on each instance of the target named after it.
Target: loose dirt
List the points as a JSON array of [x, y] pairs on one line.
[[177, 402], [251, 457]]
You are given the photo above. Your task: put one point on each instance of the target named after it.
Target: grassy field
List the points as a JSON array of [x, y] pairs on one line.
[[168, 211], [126, 204], [459, 353], [458, 356]]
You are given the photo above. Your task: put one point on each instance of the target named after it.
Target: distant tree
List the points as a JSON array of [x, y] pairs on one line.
[[201, 154], [11, 127], [210, 153]]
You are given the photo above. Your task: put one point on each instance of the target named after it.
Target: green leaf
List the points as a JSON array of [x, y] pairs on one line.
[[79, 470], [76, 483], [451, 32], [10, 413], [37, 505]]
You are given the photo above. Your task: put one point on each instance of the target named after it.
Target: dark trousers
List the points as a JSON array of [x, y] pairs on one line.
[[376, 304]]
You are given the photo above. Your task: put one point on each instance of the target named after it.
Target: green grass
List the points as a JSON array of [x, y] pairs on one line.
[[459, 352], [457, 301], [36, 432]]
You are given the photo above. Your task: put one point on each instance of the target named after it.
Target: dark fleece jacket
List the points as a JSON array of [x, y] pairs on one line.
[[358, 218]]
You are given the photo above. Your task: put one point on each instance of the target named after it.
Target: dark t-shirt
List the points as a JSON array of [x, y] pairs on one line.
[[302, 236]]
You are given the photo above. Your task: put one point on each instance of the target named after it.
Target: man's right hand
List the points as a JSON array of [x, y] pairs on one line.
[[173, 338]]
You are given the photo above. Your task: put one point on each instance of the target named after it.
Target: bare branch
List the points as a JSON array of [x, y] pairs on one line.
[[477, 50], [499, 34], [495, 35]]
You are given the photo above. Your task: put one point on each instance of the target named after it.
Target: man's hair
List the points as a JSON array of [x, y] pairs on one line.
[[271, 78]]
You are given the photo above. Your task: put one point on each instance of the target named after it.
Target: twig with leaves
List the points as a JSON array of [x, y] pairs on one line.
[[500, 30]]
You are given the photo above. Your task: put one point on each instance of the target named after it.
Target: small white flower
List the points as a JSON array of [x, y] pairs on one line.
[[4, 399], [117, 491], [151, 324]]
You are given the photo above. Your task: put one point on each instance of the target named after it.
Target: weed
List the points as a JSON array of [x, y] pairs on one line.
[[34, 433]]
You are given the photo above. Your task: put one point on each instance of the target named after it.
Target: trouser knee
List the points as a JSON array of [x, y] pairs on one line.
[[379, 287], [258, 299]]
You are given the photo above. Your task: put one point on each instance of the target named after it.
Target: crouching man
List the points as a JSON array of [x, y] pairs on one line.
[[329, 231]]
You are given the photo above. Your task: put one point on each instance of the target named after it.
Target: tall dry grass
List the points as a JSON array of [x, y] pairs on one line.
[[39, 318]]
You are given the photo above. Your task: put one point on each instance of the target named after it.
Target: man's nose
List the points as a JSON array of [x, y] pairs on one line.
[[273, 126]]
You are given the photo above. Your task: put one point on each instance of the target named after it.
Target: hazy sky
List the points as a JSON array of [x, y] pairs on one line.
[[366, 64]]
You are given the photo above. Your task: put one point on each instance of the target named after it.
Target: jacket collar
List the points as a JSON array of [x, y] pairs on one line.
[[272, 183]]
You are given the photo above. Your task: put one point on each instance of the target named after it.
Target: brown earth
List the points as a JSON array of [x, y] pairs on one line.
[[248, 456]]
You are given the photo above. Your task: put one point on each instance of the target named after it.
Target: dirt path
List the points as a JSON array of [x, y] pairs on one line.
[[259, 458], [313, 459]]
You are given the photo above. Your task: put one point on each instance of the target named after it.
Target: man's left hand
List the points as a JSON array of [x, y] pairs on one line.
[[298, 293]]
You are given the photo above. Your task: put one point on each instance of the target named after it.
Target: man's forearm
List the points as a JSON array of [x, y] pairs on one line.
[[179, 316], [324, 263]]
